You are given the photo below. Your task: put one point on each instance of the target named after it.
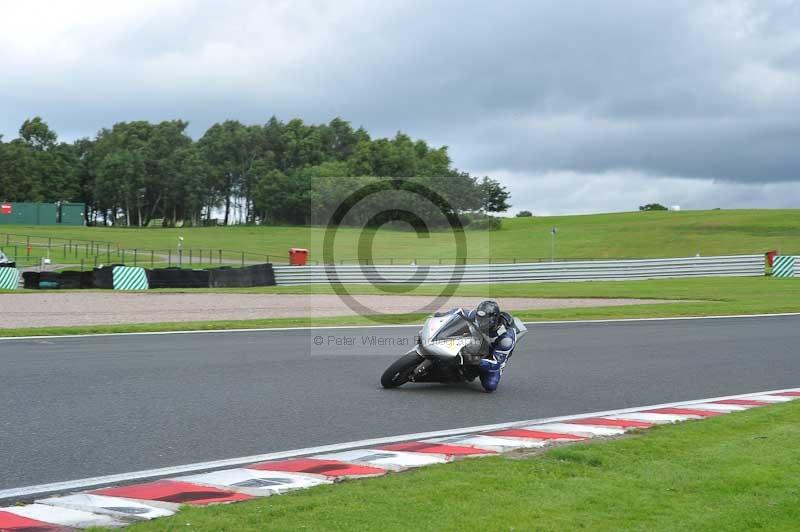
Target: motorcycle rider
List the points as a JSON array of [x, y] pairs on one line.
[[497, 326]]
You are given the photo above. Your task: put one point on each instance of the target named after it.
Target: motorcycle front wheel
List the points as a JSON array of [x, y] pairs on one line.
[[400, 372]]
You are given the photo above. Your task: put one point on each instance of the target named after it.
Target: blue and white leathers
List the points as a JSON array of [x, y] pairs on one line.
[[491, 368]]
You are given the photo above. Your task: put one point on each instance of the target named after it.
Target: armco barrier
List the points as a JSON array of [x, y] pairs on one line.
[[9, 278], [600, 270]]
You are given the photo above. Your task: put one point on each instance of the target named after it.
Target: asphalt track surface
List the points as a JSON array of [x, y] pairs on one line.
[[78, 407]]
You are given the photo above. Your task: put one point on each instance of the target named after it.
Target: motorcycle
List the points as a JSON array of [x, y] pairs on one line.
[[449, 348]]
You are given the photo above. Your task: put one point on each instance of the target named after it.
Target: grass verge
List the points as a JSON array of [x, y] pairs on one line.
[[693, 297], [733, 472]]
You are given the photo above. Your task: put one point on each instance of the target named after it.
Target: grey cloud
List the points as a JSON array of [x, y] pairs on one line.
[[691, 89], [578, 193]]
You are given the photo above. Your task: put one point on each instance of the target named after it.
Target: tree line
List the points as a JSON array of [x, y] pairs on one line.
[[276, 173]]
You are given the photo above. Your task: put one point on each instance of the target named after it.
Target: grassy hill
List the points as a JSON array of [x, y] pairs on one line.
[[620, 235]]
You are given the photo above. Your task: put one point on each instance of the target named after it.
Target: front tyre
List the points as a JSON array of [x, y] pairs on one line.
[[400, 372]]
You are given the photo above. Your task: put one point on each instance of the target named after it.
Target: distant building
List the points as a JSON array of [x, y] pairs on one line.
[[24, 213]]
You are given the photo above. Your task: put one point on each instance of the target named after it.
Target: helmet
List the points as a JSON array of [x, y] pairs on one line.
[[487, 316]]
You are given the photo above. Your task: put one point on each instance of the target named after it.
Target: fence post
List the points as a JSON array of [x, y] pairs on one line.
[[220, 256], [152, 259], [180, 258], [81, 264], [123, 256], [95, 261], [108, 253], [135, 255], [201, 257], [190, 256], [169, 258], [242, 258]]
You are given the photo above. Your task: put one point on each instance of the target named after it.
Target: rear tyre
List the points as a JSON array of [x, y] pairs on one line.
[[400, 371]]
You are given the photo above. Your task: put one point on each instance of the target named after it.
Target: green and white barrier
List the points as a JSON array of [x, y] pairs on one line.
[[785, 266], [9, 278], [129, 278]]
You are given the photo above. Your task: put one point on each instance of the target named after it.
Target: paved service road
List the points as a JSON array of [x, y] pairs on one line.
[[81, 407]]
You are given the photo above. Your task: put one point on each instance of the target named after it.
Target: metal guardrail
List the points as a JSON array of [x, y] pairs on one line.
[[606, 270]]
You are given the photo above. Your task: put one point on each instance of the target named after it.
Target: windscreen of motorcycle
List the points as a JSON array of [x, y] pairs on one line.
[[456, 327], [446, 336]]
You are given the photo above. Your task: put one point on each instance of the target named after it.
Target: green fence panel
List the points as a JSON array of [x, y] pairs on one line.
[[71, 214], [27, 213], [47, 214], [9, 278], [129, 278], [20, 213], [784, 266]]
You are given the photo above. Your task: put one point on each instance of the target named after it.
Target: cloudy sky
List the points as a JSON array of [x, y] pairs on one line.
[[577, 106]]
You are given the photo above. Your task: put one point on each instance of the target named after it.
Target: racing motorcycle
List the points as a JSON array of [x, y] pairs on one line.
[[449, 348]]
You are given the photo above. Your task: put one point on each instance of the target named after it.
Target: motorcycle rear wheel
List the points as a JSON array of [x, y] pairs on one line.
[[400, 371]]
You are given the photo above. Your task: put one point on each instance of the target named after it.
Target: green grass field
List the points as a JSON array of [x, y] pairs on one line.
[[733, 472], [621, 235]]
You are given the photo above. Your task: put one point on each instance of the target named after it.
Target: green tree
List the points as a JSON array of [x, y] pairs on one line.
[[189, 191], [37, 134], [338, 140], [120, 179], [273, 173], [85, 175], [18, 178], [231, 151], [652, 207], [494, 196]]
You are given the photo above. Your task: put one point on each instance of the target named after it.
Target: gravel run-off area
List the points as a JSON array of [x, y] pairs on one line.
[[56, 309]]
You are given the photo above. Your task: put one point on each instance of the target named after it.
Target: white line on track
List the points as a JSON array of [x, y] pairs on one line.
[[31, 492], [334, 327]]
